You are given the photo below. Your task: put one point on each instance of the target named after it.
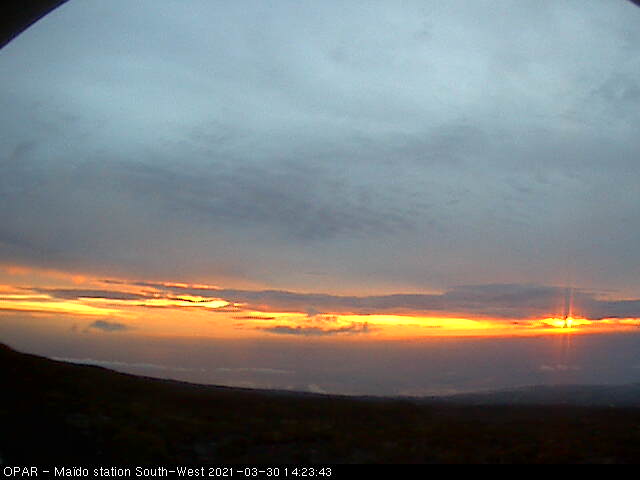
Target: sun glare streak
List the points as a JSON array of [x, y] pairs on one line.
[[566, 323]]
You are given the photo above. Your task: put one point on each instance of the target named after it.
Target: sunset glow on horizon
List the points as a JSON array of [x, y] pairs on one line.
[[137, 307]]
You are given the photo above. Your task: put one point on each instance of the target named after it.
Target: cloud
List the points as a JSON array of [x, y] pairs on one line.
[[501, 301], [312, 312], [595, 309], [75, 294], [511, 301], [498, 301], [297, 201], [315, 388], [254, 317], [352, 329], [106, 326]]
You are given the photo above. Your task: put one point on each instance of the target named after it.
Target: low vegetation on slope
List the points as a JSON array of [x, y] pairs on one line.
[[57, 413]]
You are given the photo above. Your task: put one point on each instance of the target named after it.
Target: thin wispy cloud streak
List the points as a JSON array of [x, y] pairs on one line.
[[107, 326], [353, 329], [74, 294]]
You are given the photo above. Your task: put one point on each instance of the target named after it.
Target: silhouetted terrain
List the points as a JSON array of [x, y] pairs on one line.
[[18, 15], [58, 413], [571, 395]]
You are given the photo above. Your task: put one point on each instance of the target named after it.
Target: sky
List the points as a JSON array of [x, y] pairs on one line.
[[333, 196]]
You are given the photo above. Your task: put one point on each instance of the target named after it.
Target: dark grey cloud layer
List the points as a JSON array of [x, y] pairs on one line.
[[500, 301], [353, 329], [107, 326], [493, 301], [74, 294], [383, 146]]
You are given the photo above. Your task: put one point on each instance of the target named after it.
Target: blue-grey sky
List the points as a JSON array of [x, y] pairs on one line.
[[328, 147]]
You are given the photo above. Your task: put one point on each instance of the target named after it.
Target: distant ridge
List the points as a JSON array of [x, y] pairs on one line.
[[570, 395]]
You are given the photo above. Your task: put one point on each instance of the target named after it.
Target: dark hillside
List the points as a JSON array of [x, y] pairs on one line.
[[58, 413]]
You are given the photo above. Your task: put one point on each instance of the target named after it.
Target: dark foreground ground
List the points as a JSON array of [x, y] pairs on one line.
[[57, 413]]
